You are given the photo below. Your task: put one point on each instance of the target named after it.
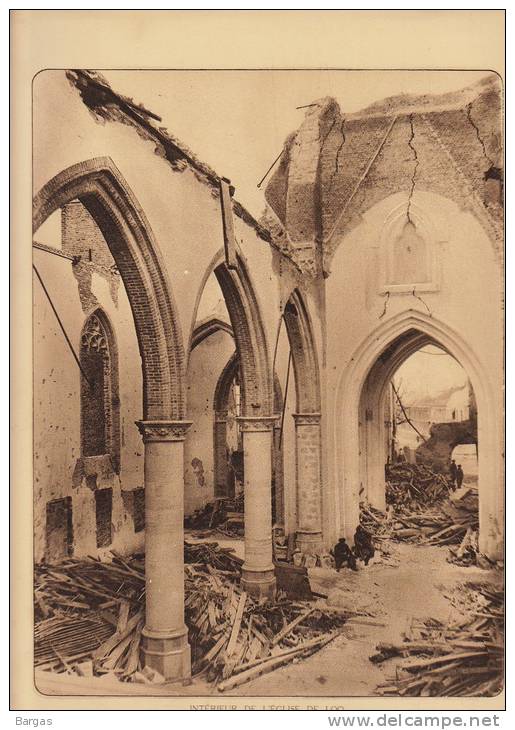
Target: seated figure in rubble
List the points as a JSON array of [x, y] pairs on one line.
[[343, 555], [363, 545]]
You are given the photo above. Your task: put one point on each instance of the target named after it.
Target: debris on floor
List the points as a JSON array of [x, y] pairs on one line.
[[415, 483], [467, 553], [461, 659], [89, 617], [444, 523], [224, 514]]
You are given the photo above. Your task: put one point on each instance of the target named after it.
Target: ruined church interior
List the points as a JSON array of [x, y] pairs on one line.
[[256, 432]]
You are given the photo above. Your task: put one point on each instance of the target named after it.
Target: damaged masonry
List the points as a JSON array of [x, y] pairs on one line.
[[251, 436]]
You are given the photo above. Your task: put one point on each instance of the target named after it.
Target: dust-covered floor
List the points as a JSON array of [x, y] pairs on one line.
[[410, 583]]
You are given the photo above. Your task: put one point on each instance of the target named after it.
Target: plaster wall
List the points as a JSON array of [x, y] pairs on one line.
[[468, 306], [183, 210], [59, 470]]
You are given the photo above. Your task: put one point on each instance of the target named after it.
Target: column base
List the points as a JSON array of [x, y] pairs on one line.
[[258, 584], [309, 542], [169, 654]]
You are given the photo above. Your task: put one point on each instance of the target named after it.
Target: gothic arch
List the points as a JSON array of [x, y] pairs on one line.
[[224, 383], [304, 358], [385, 349], [100, 187], [248, 331], [208, 327], [220, 415], [98, 351]]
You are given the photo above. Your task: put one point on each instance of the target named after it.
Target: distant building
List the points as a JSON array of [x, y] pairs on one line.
[[452, 405]]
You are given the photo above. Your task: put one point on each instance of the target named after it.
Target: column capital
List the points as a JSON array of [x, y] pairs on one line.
[[257, 423], [306, 419], [158, 431], [221, 416]]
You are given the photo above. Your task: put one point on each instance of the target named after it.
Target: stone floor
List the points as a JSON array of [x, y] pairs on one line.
[[410, 583]]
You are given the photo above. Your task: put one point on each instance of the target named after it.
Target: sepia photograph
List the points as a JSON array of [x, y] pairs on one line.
[[259, 420], [268, 425]]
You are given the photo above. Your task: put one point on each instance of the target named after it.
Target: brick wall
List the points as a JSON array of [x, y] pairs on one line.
[[82, 237]]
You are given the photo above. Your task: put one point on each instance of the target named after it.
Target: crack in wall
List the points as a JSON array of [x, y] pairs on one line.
[[478, 135], [324, 140], [337, 158], [413, 177], [387, 295], [417, 296]]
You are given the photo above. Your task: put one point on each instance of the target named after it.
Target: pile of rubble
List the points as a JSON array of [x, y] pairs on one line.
[[463, 659], [420, 509], [225, 515], [89, 616], [415, 484], [444, 524]]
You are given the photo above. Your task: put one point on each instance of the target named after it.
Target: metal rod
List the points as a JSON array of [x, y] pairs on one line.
[[284, 401], [277, 343], [61, 326], [360, 181], [269, 169]]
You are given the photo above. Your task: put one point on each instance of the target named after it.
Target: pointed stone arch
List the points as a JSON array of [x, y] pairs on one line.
[[384, 350], [250, 337], [308, 441], [304, 358], [248, 330], [99, 352], [101, 188]]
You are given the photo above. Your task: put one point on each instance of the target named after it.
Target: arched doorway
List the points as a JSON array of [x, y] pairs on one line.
[[251, 366], [99, 186], [307, 419], [227, 440], [361, 433], [403, 418], [226, 409]]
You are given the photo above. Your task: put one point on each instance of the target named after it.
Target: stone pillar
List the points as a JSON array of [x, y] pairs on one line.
[[258, 577], [165, 636], [278, 474], [309, 488], [220, 454]]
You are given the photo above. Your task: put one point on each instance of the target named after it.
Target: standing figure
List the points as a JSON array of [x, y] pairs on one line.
[[453, 473], [459, 476], [363, 545], [343, 555]]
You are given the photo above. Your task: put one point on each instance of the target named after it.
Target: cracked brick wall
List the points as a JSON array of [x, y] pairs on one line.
[[337, 166], [405, 208]]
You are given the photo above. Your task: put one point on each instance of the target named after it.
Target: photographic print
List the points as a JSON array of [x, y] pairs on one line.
[[268, 384]]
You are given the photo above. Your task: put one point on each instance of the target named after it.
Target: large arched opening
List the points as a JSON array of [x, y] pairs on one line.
[[387, 419], [100, 188], [307, 424], [228, 320], [362, 434]]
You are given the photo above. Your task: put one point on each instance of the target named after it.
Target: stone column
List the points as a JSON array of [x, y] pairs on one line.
[[278, 473], [220, 454], [165, 636], [309, 487], [258, 577]]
